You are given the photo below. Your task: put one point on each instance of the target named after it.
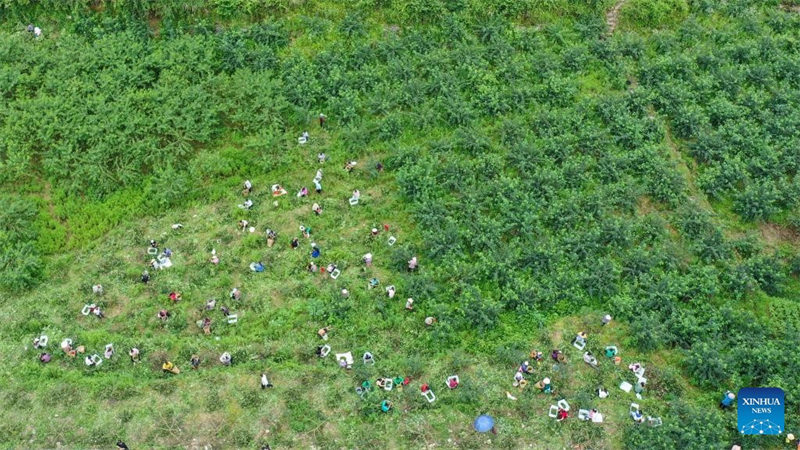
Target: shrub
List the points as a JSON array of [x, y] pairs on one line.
[[648, 14]]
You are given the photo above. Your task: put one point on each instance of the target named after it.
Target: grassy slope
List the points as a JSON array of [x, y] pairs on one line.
[[313, 402]]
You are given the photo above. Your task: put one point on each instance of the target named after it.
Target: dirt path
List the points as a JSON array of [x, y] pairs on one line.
[[612, 17], [790, 8]]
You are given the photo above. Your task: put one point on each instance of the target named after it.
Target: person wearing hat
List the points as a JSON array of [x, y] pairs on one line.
[[727, 400]]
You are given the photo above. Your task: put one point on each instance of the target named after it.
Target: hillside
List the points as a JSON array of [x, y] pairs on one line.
[[547, 162]]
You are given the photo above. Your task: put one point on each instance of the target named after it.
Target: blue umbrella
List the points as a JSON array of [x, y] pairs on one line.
[[483, 423]]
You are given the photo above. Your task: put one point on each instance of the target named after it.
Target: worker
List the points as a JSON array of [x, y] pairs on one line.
[[134, 354], [225, 359], [544, 385], [171, 368], [727, 400], [235, 294], [265, 382], [195, 362], [602, 392], [145, 277]]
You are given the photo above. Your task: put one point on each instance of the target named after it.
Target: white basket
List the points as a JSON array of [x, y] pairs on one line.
[[353, 201], [335, 274], [563, 404], [429, 396], [233, 318], [86, 310], [392, 240], [43, 340], [326, 349], [553, 412], [654, 421]]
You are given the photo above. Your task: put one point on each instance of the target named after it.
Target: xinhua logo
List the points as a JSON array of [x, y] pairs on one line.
[[761, 411]]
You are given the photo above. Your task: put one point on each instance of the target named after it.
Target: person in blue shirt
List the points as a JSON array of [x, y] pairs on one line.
[[315, 252], [727, 400]]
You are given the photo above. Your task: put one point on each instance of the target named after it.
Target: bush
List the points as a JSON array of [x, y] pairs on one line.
[[649, 14]]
